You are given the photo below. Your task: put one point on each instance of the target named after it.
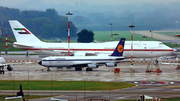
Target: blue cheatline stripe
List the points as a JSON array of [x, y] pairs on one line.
[[83, 60]]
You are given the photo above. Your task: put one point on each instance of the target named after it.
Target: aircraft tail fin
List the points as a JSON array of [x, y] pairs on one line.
[[22, 34], [119, 48]]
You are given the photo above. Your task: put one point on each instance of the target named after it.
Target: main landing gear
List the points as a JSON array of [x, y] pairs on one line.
[[78, 68], [89, 69], [48, 69], [1, 69]]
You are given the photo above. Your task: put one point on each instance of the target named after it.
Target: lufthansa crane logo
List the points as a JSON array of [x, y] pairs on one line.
[[120, 48]]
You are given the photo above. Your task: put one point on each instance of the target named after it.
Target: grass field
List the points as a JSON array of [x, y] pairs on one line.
[[63, 85], [106, 36], [10, 47]]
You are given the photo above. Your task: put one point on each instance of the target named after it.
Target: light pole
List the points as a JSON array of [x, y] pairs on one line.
[[111, 31], [115, 35], [27, 53], [176, 25], [69, 32], [131, 44], [151, 34], [6, 53]]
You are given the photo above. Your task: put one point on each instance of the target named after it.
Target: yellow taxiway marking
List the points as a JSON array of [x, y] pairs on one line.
[[40, 69]]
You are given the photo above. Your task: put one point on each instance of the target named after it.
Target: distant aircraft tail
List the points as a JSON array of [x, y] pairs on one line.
[[22, 34], [119, 49]]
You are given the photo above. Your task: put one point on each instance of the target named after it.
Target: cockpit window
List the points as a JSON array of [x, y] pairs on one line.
[[160, 44]]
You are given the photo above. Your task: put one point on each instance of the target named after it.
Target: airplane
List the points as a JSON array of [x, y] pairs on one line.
[[85, 61], [141, 49], [177, 35], [3, 64]]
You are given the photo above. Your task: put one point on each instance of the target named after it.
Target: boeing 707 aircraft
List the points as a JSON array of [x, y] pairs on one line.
[[85, 61]]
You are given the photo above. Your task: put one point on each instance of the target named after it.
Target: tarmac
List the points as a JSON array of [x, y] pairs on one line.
[[165, 84]]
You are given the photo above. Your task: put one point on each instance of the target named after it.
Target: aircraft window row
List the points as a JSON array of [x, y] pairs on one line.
[[60, 58], [133, 44]]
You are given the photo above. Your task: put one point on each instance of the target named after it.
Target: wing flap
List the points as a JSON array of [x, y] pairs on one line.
[[18, 45]]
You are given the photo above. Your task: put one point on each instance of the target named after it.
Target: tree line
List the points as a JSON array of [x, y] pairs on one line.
[[44, 24]]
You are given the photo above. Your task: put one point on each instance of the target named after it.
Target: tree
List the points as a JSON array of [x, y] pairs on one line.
[[85, 36]]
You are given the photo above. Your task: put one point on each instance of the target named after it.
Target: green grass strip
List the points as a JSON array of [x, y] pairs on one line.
[[64, 85]]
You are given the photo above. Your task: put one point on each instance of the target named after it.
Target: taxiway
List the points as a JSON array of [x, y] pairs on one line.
[[148, 83]]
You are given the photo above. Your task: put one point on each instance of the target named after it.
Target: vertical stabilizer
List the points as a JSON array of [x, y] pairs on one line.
[[22, 34], [119, 48]]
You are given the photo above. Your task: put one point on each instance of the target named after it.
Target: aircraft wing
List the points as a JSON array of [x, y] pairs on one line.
[[3, 64], [11, 64], [22, 45], [170, 63]]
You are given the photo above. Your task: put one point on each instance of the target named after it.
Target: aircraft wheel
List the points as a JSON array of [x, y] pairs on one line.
[[48, 69], [78, 68], [89, 69]]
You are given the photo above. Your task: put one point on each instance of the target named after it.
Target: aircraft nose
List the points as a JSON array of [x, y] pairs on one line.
[[40, 62], [175, 50]]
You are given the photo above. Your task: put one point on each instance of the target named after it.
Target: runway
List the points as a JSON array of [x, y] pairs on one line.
[[165, 84], [162, 37]]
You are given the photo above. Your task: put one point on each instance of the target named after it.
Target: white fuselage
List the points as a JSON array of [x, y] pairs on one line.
[[28, 41], [141, 49], [75, 61]]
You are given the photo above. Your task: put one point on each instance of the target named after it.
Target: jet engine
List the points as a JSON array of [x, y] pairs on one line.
[[9, 68], [92, 66], [111, 65]]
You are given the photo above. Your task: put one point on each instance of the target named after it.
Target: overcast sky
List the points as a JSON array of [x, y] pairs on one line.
[[11, 3]]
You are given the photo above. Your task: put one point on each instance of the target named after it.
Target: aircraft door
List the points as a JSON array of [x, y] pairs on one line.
[[151, 50], [160, 45], [139, 44], [50, 62]]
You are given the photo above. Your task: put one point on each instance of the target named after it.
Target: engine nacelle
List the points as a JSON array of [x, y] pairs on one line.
[[9, 68], [111, 65], [92, 66]]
